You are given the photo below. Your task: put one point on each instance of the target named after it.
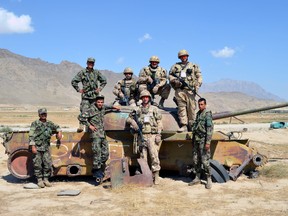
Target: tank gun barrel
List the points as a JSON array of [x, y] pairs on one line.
[[222, 115]]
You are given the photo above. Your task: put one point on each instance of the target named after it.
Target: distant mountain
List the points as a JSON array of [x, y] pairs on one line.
[[29, 81], [249, 88]]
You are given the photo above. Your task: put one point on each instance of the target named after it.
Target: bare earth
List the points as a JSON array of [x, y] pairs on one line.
[[265, 195]]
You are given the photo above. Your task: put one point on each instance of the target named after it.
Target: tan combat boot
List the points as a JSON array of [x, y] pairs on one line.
[[182, 129], [47, 183], [209, 182], [156, 178], [40, 183], [196, 180]]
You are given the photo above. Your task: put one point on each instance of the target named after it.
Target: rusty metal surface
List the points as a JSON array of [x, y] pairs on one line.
[[120, 173]]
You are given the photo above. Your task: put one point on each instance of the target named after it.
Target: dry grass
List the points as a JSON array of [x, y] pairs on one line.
[[275, 171]]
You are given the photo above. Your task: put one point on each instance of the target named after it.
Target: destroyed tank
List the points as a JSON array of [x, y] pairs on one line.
[[73, 156]]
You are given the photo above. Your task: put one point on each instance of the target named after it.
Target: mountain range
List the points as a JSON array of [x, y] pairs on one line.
[[32, 81]]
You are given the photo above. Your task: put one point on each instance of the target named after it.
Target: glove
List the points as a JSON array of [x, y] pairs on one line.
[[158, 139], [134, 125], [149, 80], [155, 89]]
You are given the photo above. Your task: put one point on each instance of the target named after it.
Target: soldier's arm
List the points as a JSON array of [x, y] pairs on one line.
[[103, 81], [117, 89], [143, 77], [163, 78], [158, 117], [32, 133], [57, 130], [198, 76], [209, 127], [76, 80]]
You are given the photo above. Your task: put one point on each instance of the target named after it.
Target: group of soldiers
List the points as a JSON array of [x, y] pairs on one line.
[[145, 118]]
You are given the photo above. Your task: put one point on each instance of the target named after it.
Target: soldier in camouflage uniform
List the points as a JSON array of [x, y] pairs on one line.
[[125, 89], [148, 119], [154, 79], [93, 118], [202, 135], [39, 142], [189, 73], [89, 77]]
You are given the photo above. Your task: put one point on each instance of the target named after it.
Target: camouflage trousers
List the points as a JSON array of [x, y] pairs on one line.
[[42, 162], [151, 148], [100, 151], [186, 106], [200, 157], [163, 91]]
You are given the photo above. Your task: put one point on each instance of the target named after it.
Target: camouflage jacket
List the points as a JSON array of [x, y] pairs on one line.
[[148, 119], [189, 72], [203, 126], [127, 87], [40, 134], [89, 82], [158, 75], [94, 116]]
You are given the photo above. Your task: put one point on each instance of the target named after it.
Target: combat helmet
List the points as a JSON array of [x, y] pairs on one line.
[[145, 93], [154, 59], [183, 53], [90, 59], [128, 70], [99, 97]]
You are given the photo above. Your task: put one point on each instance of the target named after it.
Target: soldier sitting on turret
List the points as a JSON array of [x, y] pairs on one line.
[[125, 89]]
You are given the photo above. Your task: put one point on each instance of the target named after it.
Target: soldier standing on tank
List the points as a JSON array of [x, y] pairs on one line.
[[191, 75], [202, 134], [40, 134], [93, 118], [125, 89], [147, 120], [89, 77], [154, 79]]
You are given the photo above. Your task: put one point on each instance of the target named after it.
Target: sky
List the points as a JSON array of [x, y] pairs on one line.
[[238, 40]]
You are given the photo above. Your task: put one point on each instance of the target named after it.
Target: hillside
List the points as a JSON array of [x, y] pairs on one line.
[[29, 81]]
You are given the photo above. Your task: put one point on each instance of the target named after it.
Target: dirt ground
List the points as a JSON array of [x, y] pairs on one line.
[[265, 195]]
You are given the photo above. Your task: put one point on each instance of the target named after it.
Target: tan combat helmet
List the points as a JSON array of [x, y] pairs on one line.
[[128, 70], [90, 59], [145, 93], [154, 59], [183, 53]]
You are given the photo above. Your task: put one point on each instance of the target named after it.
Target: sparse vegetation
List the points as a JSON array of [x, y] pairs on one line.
[[277, 171], [5, 129]]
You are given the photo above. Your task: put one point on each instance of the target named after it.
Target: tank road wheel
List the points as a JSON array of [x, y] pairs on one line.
[[219, 173], [20, 164]]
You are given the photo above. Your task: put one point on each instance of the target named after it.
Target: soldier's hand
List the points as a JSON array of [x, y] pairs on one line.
[[97, 90], [158, 139], [59, 135], [155, 89], [34, 149], [135, 125], [177, 83], [207, 147], [149, 80], [81, 91], [92, 128], [121, 95]]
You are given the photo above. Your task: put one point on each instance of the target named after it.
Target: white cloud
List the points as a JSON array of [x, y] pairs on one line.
[[145, 37], [120, 60], [226, 52], [10, 23]]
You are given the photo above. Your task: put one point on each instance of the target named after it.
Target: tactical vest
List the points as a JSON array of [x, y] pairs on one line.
[[186, 72], [147, 118]]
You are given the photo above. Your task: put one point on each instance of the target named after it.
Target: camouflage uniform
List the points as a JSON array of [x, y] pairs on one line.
[[39, 135], [158, 76], [94, 116], [150, 121], [89, 80], [202, 135], [185, 98], [125, 90]]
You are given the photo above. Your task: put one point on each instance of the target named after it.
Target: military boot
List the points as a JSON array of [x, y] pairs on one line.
[[47, 183], [40, 183], [161, 103], [80, 128], [156, 177], [196, 180], [209, 182], [182, 129]]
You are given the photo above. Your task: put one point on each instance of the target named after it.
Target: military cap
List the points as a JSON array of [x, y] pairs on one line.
[[99, 97], [90, 59], [42, 111]]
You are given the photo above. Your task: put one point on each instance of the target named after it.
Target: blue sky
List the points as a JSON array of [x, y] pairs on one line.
[[239, 40]]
